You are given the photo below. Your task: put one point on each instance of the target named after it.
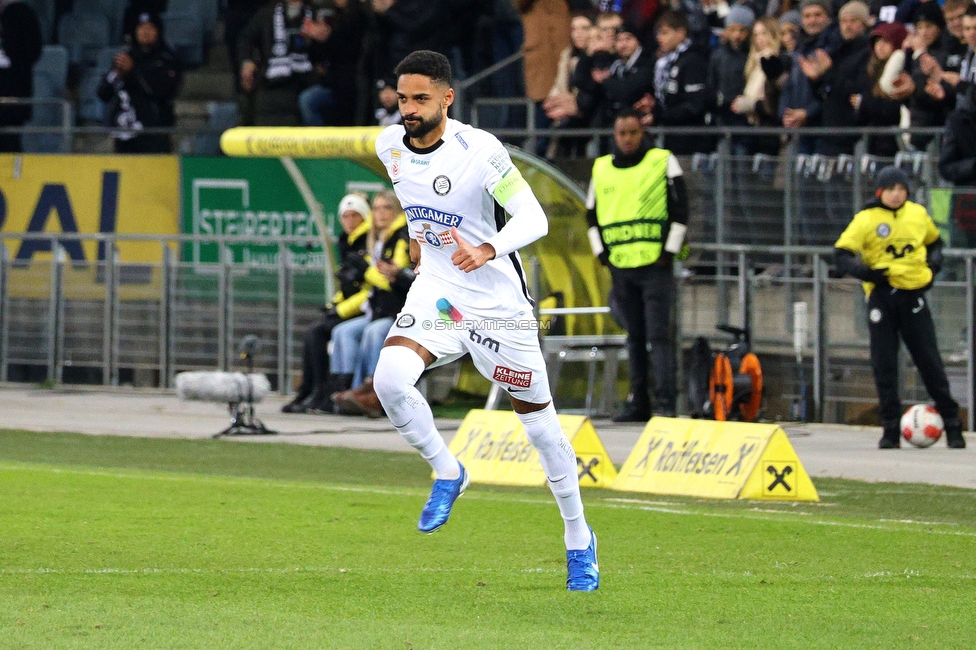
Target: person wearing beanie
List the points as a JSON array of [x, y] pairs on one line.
[[873, 101], [316, 388], [726, 69], [893, 247], [630, 76], [790, 25], [140, 89]]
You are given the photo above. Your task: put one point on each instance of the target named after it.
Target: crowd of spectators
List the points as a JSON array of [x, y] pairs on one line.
[[683, 63], [679, 63]]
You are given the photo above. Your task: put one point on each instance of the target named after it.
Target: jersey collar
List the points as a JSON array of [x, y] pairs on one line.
[[431, 149]]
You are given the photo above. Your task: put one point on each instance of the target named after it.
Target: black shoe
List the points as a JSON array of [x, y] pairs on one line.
[[953, 431], [297, 405], [633, 413], [888, 443]]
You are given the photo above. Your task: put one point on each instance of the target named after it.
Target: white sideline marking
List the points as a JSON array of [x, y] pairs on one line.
[[620, 504]]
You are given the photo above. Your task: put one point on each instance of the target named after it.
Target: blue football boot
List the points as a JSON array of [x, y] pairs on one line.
[[442, 497], [583, 568]]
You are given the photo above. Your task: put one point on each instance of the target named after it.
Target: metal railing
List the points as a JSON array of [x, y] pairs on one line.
[[110, 322]]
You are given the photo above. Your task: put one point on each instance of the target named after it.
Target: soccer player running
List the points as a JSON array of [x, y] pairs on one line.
[[456, 183]]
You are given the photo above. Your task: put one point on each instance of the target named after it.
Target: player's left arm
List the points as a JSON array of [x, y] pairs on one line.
[[528, 221]]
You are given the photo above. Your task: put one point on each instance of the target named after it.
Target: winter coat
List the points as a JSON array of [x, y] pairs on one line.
[[957, 163], [145, 95], [626, 85], [20, 49], [546, 27], [685, 102], [726, 81], [834, 90]]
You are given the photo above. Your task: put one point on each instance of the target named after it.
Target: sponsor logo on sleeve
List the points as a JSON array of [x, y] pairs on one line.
[[395, 158], [501, 162], [513, 377], [405, 321]]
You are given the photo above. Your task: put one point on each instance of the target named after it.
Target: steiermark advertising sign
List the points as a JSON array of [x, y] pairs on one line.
[[256, 197]]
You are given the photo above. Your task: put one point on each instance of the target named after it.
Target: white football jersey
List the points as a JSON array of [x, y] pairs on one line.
[[456, 183]]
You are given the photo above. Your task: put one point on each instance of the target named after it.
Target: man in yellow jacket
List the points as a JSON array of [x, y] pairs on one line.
[[893, 246], [637, 211]]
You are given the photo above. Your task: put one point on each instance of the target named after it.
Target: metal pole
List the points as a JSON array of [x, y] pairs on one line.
[[721, 287], [530, 124], [4, 318], [164, 315], [971, 338], [743, 292], [107, 270], [222, 282], [115, 321], [860, 151], [170, 321], [56, 340], [788, 226], [284, 305], [819, 338]]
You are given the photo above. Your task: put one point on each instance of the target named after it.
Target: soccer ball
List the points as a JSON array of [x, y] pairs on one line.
[[922, 425]]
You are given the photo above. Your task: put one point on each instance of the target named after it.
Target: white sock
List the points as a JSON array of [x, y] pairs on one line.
[[559, 462], [397, 370]]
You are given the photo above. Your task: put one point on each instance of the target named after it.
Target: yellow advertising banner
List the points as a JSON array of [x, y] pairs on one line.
[[87, 194], [723, 460], [493, 447]]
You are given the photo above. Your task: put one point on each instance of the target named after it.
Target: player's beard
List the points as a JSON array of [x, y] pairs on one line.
[[424, 126]]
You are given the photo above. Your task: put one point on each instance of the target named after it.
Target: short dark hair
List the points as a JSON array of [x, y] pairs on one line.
[[628, 113], [970, 10], [429, 64], [673, 19]]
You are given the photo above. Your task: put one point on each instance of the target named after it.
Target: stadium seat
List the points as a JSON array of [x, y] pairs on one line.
[[50, 81], [222, 116], [90, 107], [206, 9], [84, 35], [111, 9], [45, 15], [184, 32]]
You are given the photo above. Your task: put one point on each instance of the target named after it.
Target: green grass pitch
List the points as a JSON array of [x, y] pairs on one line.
[[140, 543]]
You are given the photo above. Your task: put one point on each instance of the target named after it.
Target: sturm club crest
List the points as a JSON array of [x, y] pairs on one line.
[[883, 230], [405, 321], [442, 185]]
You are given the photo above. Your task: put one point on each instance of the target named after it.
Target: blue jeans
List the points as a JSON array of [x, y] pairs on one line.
[[314, 103], [356, 346]]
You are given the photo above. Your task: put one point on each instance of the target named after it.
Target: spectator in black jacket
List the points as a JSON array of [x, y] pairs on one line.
[[403, 26], [726, 73], [334, 100], [680, 96], [629, 78], [933, 97], [834, 77], [277, 55], [957, 164], [140, 89], [20, 49]]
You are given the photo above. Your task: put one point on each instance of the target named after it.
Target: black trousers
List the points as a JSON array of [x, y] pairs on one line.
[[644, 297], [894, 312], [315, 358]]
